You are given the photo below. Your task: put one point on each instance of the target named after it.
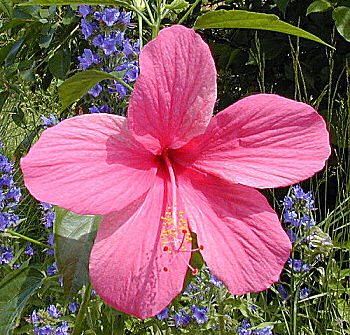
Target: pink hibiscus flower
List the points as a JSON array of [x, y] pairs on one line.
[[170, 169]]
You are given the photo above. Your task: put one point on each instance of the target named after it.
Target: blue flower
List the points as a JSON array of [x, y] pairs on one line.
[[73, 306], [63, 329], [182, 319], [310, 202], [5, 165], [50, 240], [288, 202], [298, 192], [124, 18], [216, 282], [110, 16], [97, 16], [105, 109], [127, 48], [98, 41], [304, 293], [45, 330], [87, 29], [292, 236], [283, 292], [244, 328], [109, 46], [50, 219], [52, 309], [200, 314], [45, 206], [96, 90], [119, 37], [6, 180], [121, 89], [15, 194], [164, 314], [6, 255], [34, 317], [132, 74], [29, 250], [264, 331], [49, 121], [52, 270], [291, 217], [94, 109], [87, 59], [84, 10]]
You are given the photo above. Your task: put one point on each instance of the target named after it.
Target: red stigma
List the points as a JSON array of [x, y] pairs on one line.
[[165, 248], [201, 247], [184, 231], [195, 271], [165, 269]]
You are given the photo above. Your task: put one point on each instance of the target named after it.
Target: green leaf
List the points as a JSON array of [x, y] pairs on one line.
[[318, 6], [178, 5], [341, 16], [250, 20], [74, 237], [59, 63], [3, 97], [125, 3], [78, 85], [6, 6], [18, 116], [15, 290], [282, 5]]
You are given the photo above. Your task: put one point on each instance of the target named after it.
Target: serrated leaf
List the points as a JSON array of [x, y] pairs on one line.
[[318, 6], [59, 63], [74, 237], [3, 98], [15, 290], [341, 16], [77, 2], [250, 20], [79, 84], [282, 4]]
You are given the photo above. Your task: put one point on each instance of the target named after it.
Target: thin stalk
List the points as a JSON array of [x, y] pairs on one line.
[[81, 315], [149, 12], [189, 11], [13, 233], [140, 31], [138, 12]]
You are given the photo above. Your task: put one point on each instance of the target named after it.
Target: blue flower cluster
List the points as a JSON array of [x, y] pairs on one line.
[[10, 194], [181, 318], [51, 120], [246, 329], [6, 255], [298, 207], [105, 29], [49, 329]]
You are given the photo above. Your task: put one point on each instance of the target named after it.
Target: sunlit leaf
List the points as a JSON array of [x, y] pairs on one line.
[[251, 20]]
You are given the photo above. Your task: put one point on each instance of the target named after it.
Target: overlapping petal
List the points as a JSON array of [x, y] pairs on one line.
[[244, 243], [89, 164], [175, 93], [262, 141], [127, 260]]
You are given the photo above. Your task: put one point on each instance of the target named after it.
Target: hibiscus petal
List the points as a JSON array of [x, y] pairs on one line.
[[175, 93], [244, 243], [89, 164], [127, 260], [262, 141]]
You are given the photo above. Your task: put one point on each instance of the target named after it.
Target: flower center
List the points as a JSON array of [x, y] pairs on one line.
[[175, 235]]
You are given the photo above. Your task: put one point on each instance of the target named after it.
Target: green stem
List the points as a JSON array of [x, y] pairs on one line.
[[149, 12], [189, 11], [133, 8], [13, 233], [81, 315], [140, 31]]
